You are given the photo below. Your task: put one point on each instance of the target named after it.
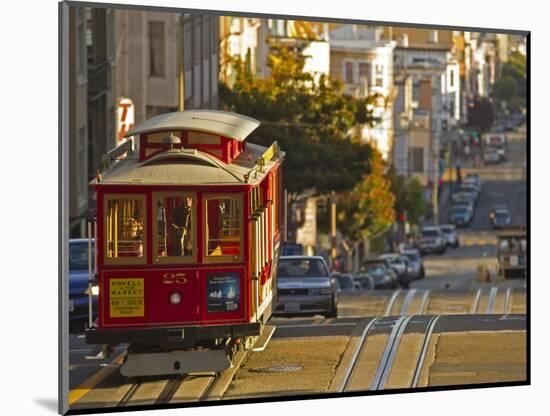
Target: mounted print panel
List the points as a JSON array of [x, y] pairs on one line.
[[271, 207]]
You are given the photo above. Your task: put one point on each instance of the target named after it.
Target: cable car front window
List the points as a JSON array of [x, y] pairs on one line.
[[175, 226], [223, 228], [125, 227]]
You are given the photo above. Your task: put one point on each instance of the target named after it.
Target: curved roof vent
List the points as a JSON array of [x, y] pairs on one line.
[[172, 140]]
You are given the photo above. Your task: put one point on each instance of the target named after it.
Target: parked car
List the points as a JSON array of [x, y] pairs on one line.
[[432, 240], [451, 234], [78, 284], [292, 250], [509, 125], [461, 215], [493, 211], [501, 218], [400, 265], [416, 266], [345, 283], [470, 192], [377, 272], [473, 178], [472, 183], [305, 286], [491, 155], [463, 198], [497, 142]]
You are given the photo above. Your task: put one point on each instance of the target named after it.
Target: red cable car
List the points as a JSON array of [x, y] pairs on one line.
[[189, 225]]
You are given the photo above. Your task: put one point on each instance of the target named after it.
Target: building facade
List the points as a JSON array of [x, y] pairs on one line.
[[78, 121], [429, 100], [363, 61], [147, 52], [131, 54]]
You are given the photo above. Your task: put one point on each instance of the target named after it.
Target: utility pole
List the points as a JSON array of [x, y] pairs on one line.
[[333, 229], [435, 195], [181, 70]]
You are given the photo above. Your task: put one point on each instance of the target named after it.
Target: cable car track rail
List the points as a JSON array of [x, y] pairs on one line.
[[388, 355], [357, 353], [423, 350]]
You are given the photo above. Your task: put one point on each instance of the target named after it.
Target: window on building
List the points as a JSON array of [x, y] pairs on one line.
[[156, 49], [379, 75], [365, 72], [417, 156], [125, 229], [174, 227], [416, 91], [452, 78], [223, 228], [82, 170], [80, 41], [348, 73]]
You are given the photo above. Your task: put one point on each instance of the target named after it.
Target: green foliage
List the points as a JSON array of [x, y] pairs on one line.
[[506, 88], [368, 210], [515, 69], [481, 114], [311, 119], [408, 196]]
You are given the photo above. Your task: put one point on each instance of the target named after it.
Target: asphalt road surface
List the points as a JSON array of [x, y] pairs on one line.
[[448, 328], [503, 183]]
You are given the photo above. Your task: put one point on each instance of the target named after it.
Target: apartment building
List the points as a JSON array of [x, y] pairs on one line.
[[147, 61], [364, 62], [429, 97], [128, 56]]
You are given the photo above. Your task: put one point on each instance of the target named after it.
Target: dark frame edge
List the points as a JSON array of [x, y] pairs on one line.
[[63, 122], [167, 9], [63, 205], [528, 201]]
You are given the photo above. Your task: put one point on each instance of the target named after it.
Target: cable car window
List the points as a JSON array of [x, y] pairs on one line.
[[125, 229], [175, 227], [223, 228]]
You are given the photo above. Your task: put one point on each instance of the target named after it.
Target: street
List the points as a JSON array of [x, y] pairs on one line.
[[449, 328], [503, 183]]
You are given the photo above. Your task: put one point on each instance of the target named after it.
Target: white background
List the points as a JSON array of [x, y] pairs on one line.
[[29, 227]]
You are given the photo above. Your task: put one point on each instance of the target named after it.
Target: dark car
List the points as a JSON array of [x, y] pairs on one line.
[[463, 198], [501, 218], [496, 207], [378, 273], [346, 283], [471, 191], [461, 216], [292, 250], [78, 284], [416, 265], [474, 178], [400, 264], [305, 286]]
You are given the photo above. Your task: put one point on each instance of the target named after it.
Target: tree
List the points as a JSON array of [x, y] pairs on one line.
[[368, 210], [506, 88], [311, 119], [409, 199], [480, 115], [516, 68]]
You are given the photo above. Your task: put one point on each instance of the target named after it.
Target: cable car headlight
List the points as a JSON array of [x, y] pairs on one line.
[[175, 298], [95, 291]]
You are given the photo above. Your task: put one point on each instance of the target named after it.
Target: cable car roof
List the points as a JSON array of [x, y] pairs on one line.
[[222, 123], [188, 167]]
